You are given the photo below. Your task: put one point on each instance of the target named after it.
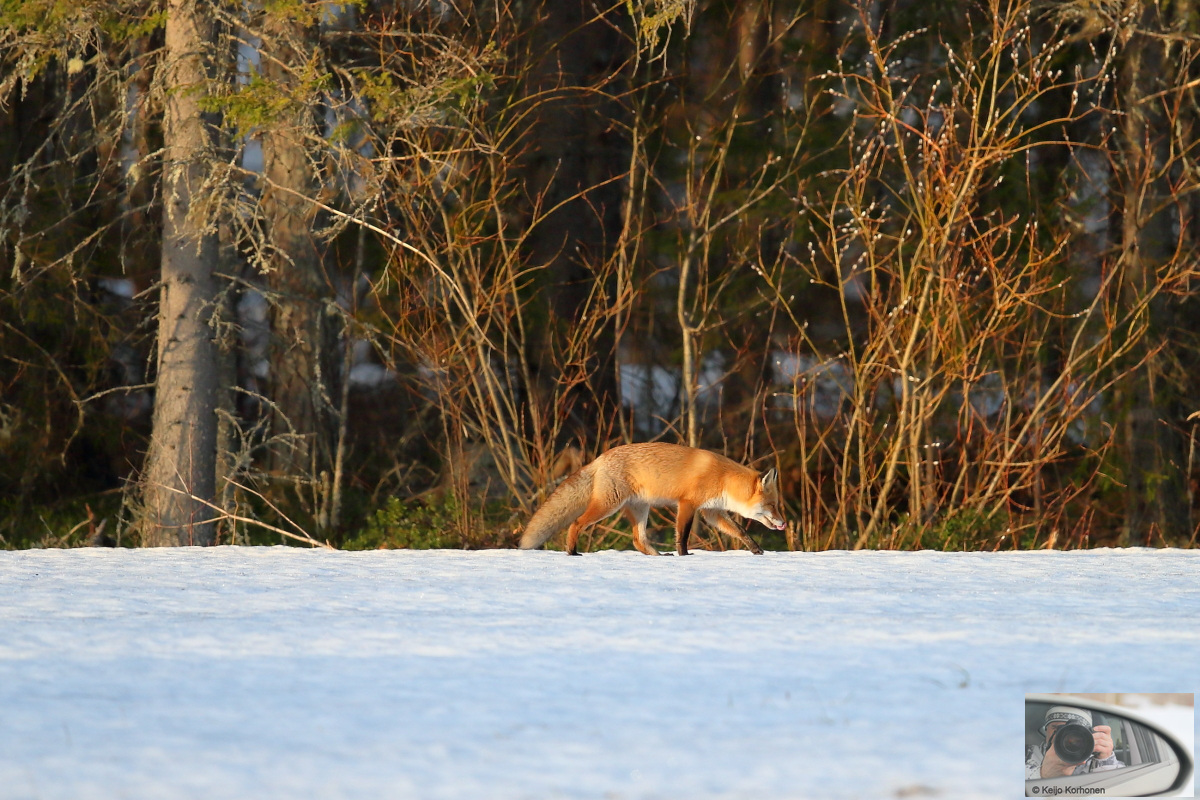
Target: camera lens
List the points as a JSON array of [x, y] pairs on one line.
[[1074, 743]]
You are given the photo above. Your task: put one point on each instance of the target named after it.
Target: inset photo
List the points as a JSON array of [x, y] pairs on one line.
[[1109, 745]]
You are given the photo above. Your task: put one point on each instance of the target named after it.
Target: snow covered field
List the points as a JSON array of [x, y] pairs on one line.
[[286, 673]]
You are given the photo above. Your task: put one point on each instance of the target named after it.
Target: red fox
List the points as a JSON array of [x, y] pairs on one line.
[[634, 477]]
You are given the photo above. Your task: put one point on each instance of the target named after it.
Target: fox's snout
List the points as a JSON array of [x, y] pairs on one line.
[[771, 518]]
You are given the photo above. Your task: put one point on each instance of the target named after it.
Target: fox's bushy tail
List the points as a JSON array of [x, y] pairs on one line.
[[565, 505]]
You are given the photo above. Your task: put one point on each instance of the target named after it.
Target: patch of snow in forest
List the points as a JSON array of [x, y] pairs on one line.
[[369, 375], [651, 391], [123, 288], [824, 382], [654, 392], [280, 672]]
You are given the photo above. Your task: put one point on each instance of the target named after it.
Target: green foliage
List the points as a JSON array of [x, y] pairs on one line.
[[44, 16], [121, 29], [261, 102], [35, 33], [416, 104], [345, 131], [655, 18], [959, 530], [68, 522], [966, 529], [446, 87], [298, 11], [431, 522], [306, 12]]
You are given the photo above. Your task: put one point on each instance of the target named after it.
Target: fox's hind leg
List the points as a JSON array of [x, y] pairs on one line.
[[597, 510], [637, 513], [721, 521]]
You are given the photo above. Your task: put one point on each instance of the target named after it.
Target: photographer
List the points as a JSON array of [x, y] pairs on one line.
[[1047, 761]]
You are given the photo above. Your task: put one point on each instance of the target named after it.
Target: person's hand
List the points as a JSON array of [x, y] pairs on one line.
[[1104, 743], [1055, 767]]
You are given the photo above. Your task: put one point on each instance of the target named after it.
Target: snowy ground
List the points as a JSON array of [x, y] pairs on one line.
[[285, 673]]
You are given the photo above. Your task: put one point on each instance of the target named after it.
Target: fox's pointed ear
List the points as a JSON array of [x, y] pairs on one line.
[[769, 478]]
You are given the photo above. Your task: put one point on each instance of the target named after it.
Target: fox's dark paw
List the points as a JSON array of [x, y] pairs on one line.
[[573, 552]]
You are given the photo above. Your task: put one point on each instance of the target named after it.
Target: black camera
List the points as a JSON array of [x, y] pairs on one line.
[[1074, 743]]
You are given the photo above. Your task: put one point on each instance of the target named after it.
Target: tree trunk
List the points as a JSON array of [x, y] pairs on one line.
[[303, 333], [180, 473]]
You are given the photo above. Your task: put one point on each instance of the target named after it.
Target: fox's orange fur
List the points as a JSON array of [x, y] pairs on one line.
[[635, 477]]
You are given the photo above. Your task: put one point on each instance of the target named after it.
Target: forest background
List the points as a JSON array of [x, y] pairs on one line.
[[380, 273]]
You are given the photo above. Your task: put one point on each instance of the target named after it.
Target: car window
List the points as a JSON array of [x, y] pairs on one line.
[[1120, 735], [1147, 745]]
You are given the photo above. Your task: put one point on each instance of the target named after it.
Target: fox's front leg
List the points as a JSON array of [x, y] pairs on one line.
[[683, 526], [722, 522]]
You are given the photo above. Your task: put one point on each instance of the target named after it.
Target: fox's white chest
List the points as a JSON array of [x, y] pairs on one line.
[[747, 510], [721, 501]]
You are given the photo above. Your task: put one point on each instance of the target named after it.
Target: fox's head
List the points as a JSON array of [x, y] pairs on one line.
[[765, 502]]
